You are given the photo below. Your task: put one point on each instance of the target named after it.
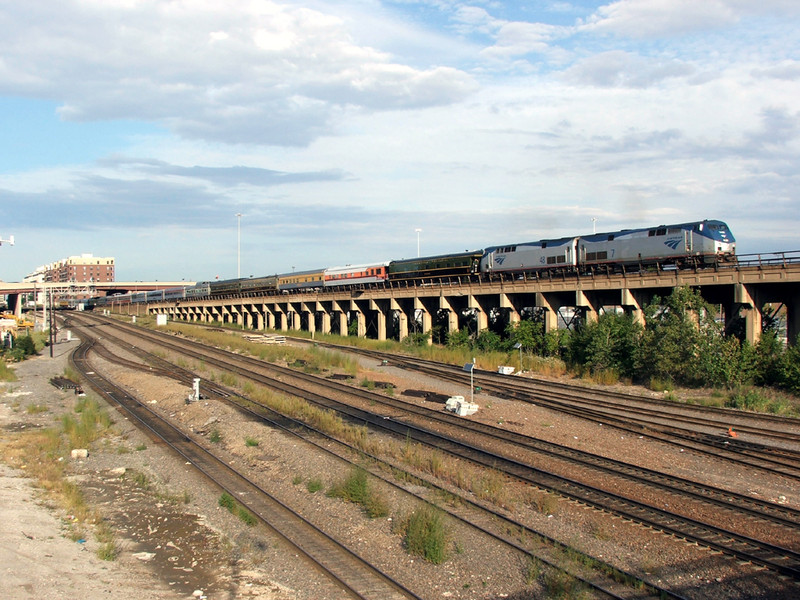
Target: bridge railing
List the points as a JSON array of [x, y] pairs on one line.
[[769, 259]]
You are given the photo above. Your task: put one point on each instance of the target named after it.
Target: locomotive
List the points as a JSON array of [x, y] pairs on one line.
[[693, 244], [681, 245]]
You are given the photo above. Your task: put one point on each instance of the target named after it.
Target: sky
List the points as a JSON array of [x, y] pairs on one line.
[[140, 129]]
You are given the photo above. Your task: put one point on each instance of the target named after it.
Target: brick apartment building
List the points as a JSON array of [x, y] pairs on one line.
[[75, 272]]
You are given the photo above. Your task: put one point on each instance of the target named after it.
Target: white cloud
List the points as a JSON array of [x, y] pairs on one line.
[[261, 72], [617, 68], [659, 18]]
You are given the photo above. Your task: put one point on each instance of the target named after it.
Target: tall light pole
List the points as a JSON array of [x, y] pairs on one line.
[[594, 225], [238, 245], [418, 230]]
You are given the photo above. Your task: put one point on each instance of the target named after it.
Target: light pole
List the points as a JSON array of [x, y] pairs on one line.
[[418, 230], [594, 225], [238, 245]]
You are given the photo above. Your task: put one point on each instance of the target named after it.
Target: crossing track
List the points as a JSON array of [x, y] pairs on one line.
[[698, 428], [355, 574]]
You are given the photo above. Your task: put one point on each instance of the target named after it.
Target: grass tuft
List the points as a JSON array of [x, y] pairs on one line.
[[426, 533]]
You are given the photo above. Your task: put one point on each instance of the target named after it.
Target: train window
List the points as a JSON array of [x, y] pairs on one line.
[[651, 233], [544, 244], [611, 238], [674, 230], [661, 232]]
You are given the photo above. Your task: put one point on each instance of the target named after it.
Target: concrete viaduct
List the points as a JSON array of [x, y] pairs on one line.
[[742, 290]]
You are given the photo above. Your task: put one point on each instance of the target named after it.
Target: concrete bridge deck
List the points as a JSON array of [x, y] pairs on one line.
[[741, 290]]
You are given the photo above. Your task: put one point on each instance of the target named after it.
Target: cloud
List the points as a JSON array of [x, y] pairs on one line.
[[787, 70], [660, 18], [224, 176], [618, 68], [263, 73]]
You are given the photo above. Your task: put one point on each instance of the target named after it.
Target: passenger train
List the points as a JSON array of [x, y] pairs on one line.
[[682, 245]]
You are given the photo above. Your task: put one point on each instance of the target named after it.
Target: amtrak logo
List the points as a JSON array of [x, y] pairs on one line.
[[673, 243], [499, 259]]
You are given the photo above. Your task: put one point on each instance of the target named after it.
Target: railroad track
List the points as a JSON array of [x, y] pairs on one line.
[[634, 414], [743, 547], [608, 580], [356, 575]]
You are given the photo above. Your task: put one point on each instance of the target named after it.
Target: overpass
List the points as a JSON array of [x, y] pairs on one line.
[[746, 290], [13, 291]]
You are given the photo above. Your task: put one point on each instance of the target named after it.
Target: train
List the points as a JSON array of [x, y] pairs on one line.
[[682, 245]]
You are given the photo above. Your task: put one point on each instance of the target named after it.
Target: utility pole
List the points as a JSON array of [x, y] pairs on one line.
[[238, 245]]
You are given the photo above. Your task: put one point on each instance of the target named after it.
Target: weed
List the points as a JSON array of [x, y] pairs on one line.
[[141, 480], [227, 501], [314, 485], [246, 517], [356, 488], [426, 534], [250, 442], [107, 551], [533, 569], [215, 436], [141, 447], [297, 480], [33, 409], [6, 372], [546, 503], [755, 400], [660, 385], [563, 585]]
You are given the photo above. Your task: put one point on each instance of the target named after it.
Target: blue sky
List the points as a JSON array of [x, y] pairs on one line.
[[139, 128]]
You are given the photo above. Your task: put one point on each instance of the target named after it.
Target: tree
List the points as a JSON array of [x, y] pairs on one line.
[[683, 342], [607, 344]]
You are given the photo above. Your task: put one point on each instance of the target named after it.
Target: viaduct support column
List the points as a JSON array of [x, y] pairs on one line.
[[747, 298], [341, 308], [381, 314], [513, 313], [452, 314], [583, 301], [632, 306], [282, 320], [427, 319], [269, 316], [361, 320], [402, 319], [793, 319], [325, 325], [550, 306], [481, 314]]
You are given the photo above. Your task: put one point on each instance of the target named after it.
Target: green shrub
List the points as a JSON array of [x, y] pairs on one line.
[[227, 501], [356, 488], [427, 534]]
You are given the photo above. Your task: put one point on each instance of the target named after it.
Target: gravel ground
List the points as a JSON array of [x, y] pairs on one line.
[[170, 548]]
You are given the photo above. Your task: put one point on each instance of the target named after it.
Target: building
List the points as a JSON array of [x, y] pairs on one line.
[[78, 274]]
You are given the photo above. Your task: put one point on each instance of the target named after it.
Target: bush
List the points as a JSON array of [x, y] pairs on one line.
[[427, 534], [356, 488]]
